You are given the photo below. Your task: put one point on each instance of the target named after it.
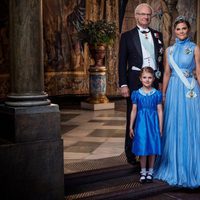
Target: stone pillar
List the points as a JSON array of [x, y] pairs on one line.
[[31, 149], [26, 54]]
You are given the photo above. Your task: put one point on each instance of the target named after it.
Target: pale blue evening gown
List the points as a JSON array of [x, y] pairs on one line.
[[179, 163]]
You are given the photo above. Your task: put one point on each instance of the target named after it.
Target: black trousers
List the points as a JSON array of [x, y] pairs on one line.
[[128, 141]]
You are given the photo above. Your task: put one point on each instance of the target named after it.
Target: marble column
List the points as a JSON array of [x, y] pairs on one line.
[[31, 149], [26, 54]]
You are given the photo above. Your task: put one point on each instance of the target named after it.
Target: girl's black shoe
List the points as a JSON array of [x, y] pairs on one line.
[[142, 178], [149, 178]]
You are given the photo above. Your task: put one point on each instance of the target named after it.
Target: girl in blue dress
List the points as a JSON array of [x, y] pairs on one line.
[[179, 163], [146, 123]]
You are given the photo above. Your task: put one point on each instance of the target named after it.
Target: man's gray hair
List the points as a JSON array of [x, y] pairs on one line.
[[143, 5]]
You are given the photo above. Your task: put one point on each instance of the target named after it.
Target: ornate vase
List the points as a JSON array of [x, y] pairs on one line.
[[98, 53], [98, 75]]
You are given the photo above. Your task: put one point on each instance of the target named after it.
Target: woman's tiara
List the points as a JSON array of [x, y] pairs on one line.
[[180, 18]]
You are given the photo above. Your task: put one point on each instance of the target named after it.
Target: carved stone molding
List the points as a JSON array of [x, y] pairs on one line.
[[171, 5]]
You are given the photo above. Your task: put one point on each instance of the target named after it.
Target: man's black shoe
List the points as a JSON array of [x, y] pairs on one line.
[[132, 161]]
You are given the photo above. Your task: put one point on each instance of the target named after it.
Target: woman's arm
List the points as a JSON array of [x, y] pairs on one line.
[[197, 61], [160, 117], [167, 73], [132, 119]]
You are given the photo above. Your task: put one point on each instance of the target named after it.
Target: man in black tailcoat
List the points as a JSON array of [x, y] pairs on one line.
[[139, 47]]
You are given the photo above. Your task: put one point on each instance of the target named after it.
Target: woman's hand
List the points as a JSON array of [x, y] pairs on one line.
[[131, 133], [163, 100]]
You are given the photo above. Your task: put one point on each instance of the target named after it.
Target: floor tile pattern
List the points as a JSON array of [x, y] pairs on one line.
[[92, 135]]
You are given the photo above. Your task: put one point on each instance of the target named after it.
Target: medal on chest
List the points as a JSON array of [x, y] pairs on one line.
[[158, 74]]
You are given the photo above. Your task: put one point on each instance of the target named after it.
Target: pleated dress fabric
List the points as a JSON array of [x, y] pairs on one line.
[[147, 139], [179, 163]]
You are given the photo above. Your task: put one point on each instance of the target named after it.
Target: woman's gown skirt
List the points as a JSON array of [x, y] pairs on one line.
[[179, 163]]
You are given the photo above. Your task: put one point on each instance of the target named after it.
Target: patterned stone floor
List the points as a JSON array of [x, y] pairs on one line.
[[91, 135], [95, 139]]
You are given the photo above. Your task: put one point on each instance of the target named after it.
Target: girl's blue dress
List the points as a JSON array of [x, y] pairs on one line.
[[147, 134], [179, 163]]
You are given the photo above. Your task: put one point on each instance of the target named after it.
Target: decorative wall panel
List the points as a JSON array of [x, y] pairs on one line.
[[66, 60]]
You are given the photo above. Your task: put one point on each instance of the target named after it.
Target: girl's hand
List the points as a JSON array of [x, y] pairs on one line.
[[131, 133]]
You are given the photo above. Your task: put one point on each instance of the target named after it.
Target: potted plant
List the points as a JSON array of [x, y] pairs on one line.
[[98, 32], [98, 35]]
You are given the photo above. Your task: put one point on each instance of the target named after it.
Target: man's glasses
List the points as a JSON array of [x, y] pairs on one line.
[[144, 14]]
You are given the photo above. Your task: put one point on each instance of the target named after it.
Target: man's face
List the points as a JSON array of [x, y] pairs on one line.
[[143, 16]]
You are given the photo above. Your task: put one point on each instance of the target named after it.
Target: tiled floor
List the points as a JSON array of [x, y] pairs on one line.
[[92, 135], [95, 139]]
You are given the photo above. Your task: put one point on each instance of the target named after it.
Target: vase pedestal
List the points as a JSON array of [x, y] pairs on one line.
[[97, 106], [97, 84]]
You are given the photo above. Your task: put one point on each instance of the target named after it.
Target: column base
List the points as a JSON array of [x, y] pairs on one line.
[[97, 106], [23, 124], [27, 100], [32, 170], [31, 153]]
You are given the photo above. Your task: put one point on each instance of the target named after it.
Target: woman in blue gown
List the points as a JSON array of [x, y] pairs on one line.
[[179, 163]]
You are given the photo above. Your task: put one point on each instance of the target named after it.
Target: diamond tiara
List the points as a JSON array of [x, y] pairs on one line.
[[180, 18]]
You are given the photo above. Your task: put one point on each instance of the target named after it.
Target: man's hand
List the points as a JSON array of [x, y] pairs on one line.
[[124, 91]]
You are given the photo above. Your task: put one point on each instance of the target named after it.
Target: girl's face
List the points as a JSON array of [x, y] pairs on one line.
[[181, 31], [147, 79]]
